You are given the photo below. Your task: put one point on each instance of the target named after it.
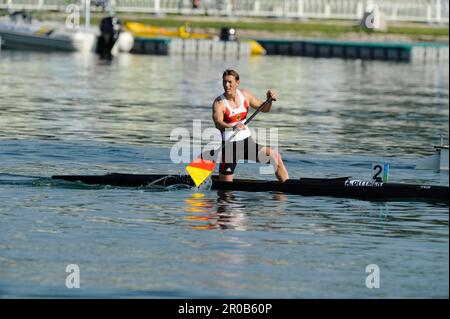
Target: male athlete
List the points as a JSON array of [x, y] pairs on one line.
[[229, 112]]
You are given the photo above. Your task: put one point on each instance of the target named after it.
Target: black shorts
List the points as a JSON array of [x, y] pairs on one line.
[[232, 152]]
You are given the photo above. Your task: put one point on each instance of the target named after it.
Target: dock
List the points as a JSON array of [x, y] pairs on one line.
[[204, 47], [382, 51], [385, 51]]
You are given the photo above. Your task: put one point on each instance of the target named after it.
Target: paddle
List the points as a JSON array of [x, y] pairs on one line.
[[199, 169]]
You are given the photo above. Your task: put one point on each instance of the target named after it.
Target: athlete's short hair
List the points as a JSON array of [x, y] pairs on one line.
[[230, 72]]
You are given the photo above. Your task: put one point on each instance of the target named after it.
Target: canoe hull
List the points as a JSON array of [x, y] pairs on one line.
[[337, 187]]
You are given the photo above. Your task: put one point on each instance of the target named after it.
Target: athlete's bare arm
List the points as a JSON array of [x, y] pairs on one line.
[[255, 103], [218, 112]]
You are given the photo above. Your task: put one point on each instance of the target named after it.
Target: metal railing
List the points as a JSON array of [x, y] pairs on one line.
[[428, 11]]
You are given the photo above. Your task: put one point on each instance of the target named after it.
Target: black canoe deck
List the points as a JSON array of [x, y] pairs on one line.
[[336, 187]]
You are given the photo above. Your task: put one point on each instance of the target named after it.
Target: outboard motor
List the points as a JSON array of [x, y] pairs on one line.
[[23, 16], [109, 33], [228, 34]]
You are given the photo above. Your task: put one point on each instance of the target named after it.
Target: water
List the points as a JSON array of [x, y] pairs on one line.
[[69, 114]]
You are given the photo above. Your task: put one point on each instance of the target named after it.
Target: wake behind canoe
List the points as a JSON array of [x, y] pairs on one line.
[[335, 187]]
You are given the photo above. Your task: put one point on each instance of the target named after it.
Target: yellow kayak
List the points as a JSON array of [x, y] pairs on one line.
[[142, 30]]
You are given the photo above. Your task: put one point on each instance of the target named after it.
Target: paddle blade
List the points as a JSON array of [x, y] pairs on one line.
[[200, 169]]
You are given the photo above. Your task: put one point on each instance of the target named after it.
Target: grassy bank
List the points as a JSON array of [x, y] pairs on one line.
[[331, 28]]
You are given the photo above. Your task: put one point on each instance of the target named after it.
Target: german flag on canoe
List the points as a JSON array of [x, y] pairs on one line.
[[200, 169]]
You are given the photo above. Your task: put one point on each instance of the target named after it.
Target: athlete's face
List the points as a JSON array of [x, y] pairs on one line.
[[230, 84]]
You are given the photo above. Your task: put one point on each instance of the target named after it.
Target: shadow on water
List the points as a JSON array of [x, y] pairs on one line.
[[227, 211], [15, 289], [40, 181], [282, 213]]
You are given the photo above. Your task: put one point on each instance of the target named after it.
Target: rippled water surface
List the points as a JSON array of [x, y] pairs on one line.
[[71, 114]]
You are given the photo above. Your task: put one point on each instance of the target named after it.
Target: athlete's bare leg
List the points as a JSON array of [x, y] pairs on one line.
[[275, 159], [225, 178]]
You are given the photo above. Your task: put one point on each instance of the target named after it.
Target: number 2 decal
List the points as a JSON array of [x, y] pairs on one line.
[[378, 169]]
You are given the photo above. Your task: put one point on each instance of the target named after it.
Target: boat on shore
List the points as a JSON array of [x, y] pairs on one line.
[[20, 31], [335, 187]]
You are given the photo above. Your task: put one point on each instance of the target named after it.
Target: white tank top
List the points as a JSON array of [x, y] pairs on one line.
[[235, 116]]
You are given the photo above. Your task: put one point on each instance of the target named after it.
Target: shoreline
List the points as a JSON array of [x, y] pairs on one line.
[[276, 28]]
